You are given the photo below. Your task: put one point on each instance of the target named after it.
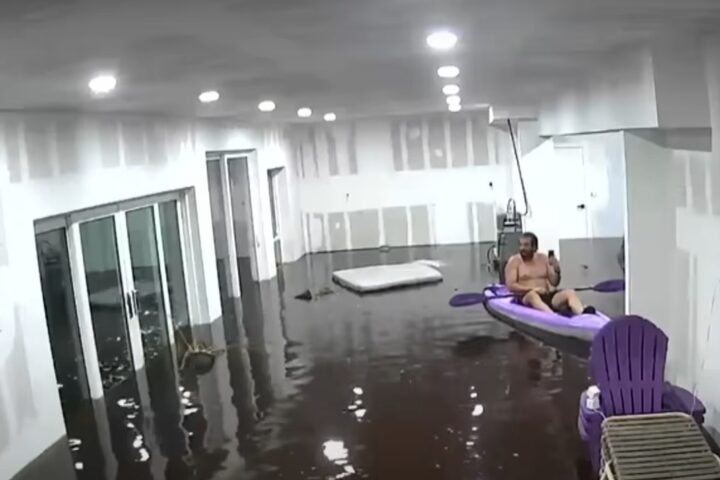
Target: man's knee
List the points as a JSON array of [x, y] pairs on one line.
[[531, 297], [568, 293]]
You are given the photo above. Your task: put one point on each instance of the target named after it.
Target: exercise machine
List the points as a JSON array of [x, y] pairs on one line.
[[509, 228]]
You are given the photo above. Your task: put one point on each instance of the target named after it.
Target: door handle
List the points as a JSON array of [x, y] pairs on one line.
[[581, 206], [129, 305], [135, 302]]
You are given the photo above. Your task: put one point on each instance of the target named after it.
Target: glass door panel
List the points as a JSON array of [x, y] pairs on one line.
[[175, 272], [148, 283], [111, 307], [67, 352], [242, 219], [107, 301]]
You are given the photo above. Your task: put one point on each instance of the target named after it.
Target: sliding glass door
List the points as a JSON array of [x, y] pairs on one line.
[[120, 296]]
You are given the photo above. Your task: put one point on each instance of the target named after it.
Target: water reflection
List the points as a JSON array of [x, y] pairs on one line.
[[385, 386]]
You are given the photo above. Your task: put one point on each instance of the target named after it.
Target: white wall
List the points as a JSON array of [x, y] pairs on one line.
[[619, 93], [399, 181], [680, 86], [672, 255], [56, 163], [595, 177]]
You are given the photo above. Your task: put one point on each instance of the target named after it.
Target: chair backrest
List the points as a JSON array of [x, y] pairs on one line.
[[627, 362]]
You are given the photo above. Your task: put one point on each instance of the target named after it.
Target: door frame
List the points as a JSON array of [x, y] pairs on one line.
[[117, 211], [257, 216]]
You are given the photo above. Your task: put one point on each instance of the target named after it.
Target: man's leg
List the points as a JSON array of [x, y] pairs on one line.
[[569, 299], [534, 300]]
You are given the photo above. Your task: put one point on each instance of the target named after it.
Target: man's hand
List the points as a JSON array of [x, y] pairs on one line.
[[554, 263], [553, 271]]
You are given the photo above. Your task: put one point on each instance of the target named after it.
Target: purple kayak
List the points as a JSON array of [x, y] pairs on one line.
[[583, 327]]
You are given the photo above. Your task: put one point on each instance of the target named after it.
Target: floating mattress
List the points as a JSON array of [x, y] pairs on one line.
[[583, 327], [384, 277]]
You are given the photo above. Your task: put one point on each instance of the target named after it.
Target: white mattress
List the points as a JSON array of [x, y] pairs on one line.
[[383, 277]]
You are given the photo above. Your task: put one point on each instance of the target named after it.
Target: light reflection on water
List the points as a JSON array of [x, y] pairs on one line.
[[395, 385]]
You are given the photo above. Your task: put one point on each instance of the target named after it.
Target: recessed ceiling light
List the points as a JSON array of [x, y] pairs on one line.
[[448, 71], [451, 89], [304, 112], [454, 107], [453, 100], [441, 40], [330, 117], [266, 106], [102, 84], [209, 96]]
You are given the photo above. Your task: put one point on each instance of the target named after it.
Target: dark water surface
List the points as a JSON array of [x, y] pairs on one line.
[[390, 386]]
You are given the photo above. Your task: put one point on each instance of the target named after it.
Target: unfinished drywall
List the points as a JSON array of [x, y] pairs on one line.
[[672, 256], [400, 181], [56, 163], [619, 93]]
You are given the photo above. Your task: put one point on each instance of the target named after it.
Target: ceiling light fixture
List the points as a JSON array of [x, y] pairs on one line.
[[209, 96], [102, 84], [454, 107], [448, 71], [304, 112], [441, 40], [266, 106], [451, 89], [330, 117], [453, 100]]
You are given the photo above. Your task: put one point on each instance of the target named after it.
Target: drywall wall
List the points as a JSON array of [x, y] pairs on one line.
[[672, 256], [604, 165], [399, 181], [661, 85], [56, 163], [562, 173], [680, 84], [618, 93], [672, 264]]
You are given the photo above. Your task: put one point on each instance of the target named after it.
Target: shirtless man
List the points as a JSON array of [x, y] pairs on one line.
[[534, 278]]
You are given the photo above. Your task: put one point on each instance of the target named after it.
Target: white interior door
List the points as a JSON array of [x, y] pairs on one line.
[[570, 192], [555, 181]]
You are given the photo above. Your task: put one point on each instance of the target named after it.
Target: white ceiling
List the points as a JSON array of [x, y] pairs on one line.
[[354, 57]]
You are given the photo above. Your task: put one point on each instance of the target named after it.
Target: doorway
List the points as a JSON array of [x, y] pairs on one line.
[[231, 206], [116, 299], [557, 193], [273, 176]]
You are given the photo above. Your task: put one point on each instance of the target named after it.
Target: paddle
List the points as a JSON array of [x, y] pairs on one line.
[[473, 298]]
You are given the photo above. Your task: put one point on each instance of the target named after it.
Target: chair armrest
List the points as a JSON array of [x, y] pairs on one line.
[[677, 399], [589, 421]]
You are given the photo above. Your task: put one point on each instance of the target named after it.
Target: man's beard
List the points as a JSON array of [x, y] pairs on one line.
[[527, 255]]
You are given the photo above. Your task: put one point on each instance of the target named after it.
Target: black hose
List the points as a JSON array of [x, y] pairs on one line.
[[520, 173]]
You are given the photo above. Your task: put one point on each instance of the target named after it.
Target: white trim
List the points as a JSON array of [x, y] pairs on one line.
[[382, 241], [425, 137], [128, 288], [54, 150], [403, 146], [160, 245], [229, 230], [469, 142], [408, 219], [448, 142], [82, 308], [23, 159], [187, 251], [348, 231]]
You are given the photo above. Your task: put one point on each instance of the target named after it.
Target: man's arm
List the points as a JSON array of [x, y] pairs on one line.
[[553, 271], [512, 277]]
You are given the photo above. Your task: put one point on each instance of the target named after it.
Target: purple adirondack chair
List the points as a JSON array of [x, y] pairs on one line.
[[627, 363]]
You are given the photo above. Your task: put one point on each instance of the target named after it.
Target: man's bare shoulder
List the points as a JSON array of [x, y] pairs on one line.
[[514, 259]]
